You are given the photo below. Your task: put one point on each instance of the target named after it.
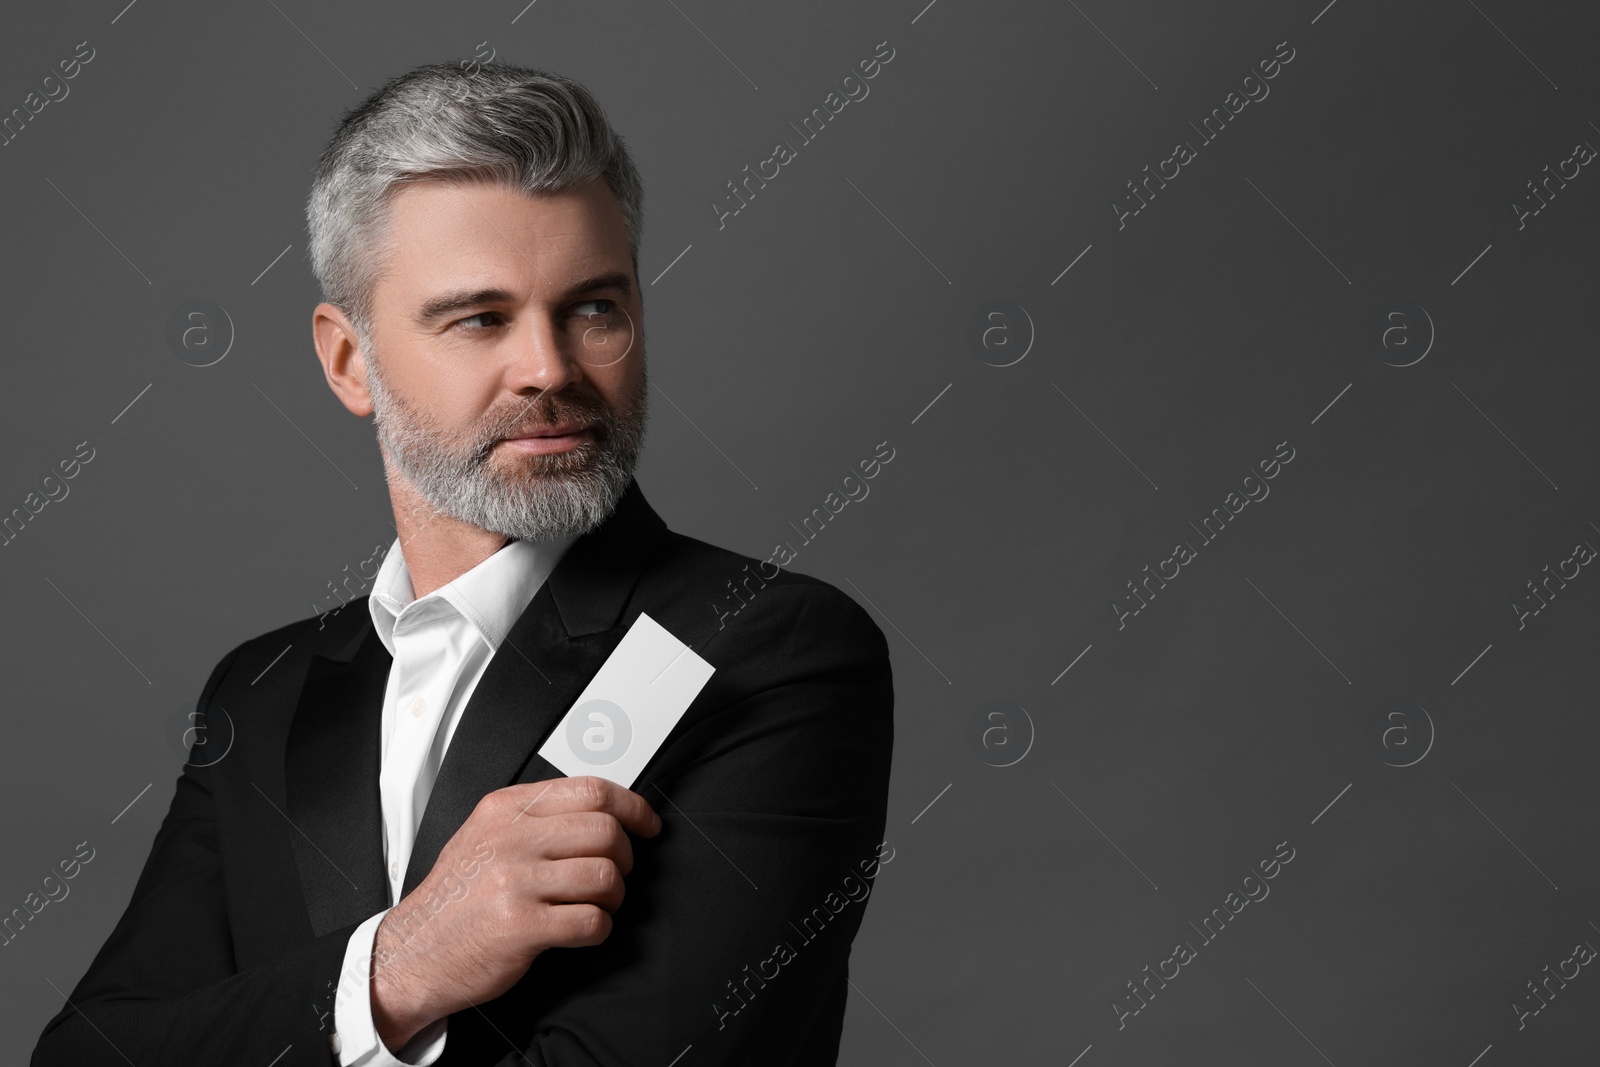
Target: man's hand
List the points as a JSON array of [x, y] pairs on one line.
[[535, 866]]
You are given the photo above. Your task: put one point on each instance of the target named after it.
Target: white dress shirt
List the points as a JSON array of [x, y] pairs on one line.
[[440, 646]]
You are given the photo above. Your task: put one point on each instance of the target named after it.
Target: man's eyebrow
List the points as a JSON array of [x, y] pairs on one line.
[[440, 307], [615, 280], [437, 308]]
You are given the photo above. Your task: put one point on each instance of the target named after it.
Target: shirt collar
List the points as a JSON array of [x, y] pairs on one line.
[[491, 596]]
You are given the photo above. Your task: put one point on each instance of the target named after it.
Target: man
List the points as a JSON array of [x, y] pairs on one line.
[[382, 868]]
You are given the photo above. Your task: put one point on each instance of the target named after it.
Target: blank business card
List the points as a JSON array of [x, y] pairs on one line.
[[629, 706]]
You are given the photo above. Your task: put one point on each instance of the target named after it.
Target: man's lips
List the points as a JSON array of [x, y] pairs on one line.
[[563, 437]]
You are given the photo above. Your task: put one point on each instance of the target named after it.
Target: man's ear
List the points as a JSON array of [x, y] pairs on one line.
[[343, 362]]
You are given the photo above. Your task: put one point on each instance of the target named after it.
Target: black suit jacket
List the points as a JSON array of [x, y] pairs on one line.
[[772, 790]]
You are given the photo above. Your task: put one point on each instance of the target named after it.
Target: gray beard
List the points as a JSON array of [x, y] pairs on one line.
[[526, 497]]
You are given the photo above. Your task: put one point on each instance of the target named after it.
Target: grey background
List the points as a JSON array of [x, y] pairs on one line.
[[1230, 715]]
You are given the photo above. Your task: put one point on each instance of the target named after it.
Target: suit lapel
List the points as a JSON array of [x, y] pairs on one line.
[[558, 643], [331, 783]]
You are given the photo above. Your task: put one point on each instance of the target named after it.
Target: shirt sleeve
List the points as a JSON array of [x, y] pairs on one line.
[[358, 1042]]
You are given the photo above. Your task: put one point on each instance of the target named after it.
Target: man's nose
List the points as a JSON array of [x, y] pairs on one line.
[[543, 357]]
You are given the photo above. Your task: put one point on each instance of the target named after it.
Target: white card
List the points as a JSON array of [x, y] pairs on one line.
[[629, 706]]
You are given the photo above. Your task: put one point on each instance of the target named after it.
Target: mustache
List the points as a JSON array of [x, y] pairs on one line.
[[548, 410]]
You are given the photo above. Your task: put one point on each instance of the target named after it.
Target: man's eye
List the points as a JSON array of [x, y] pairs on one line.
[[600, 307], [481, 315]]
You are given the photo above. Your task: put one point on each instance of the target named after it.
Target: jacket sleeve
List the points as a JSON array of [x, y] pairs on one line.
[[164, 990], [735, 932]]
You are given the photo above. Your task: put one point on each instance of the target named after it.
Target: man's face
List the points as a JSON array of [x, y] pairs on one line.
[[506, 365]]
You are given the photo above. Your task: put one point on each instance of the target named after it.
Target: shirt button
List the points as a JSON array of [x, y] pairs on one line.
[[418, 706], [394, 869]]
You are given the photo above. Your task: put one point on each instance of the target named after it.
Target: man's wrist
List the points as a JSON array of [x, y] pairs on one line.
[[356, 1040], [396, 1016]]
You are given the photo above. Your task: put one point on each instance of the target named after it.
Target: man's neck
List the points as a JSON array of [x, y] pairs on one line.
[[438, 549]]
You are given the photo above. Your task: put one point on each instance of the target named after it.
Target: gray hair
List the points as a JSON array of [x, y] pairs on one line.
[[532, 130]]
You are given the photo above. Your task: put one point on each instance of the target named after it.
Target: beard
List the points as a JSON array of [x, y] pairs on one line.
[[525, 496]]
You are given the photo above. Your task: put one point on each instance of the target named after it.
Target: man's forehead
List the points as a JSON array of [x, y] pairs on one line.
[[473, 233]]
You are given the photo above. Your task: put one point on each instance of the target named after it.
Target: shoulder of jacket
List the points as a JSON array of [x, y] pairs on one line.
[[726, 590]]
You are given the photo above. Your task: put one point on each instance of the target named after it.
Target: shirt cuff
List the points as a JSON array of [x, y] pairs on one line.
[[355, 1036]]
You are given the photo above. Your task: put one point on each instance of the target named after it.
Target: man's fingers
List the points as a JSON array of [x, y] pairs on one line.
[[586, 793], [585, 833], [576, 925], [584, 880]]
